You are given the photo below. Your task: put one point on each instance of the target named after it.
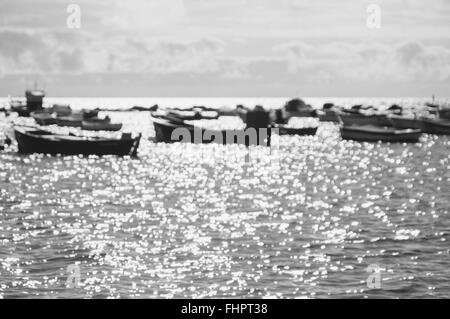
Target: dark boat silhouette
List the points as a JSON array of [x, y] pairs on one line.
[[435, 126], [285, 130], [90, 125], [43, 117], [33, 140], [372, 133], [34, 103], [444, 113], [399, 121], [186, 115], [350, 118], [169, 129]]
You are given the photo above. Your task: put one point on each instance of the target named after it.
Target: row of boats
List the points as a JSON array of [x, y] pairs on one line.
[[394, 124], [36, 139], [431, 120], [62, 115], [204, 125]]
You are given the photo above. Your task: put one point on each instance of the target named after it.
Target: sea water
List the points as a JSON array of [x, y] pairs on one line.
[[320, 217]]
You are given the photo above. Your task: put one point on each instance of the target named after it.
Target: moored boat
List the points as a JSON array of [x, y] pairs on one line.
[[73, 120], [172, 129], [362, 119], [298, 108], [100, 126], [444, 113], [327, 116], [186, 115], [303, 131], [90, 114], [164, 129], [33, 140], [435, 126], [20, 108], [372, 133], [406, 122], [43, 117], [62, 109], [34, 99]]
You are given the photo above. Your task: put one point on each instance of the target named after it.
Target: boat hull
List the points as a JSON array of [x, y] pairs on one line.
[[444, 114], [357, 119], [22, 111], [296, 131], [438, 127], [28, 142], [88, 126], [43, 118], [165, 131], [328, 116], [362, 134], [405, 123], [69, 122]]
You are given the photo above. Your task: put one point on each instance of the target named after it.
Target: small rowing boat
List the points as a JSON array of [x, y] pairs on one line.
[[327, 116], [170, 130], [303, 131], [444, 114], [43, 117], [435, 126], [73, 120], [372, 133], [100, 126], [33, 140], [403, 122], [362, 119]]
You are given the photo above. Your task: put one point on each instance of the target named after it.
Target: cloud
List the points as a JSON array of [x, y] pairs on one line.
[[235, 44], [409, 61], [52, 53], [32, 52]]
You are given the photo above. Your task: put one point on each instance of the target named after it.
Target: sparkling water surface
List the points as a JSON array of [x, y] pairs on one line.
[[303, 220]]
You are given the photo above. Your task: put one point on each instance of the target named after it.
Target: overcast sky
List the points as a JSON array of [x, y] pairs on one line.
[[226, 48]]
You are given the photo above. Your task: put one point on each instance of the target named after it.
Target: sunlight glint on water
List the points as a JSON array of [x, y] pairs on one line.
[[180, 221]]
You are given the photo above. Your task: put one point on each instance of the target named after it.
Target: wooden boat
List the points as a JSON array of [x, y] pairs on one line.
[[170, 130], [362, 119], [100, 126], [372, 133], [43, 117], [90, 114], [435, 126], [328, 116], [62, 109], [444, 114], [33, 140], [189, 115], [398, 121], [286, 130], [164, 129], [20, 108], [34, 99], [70, 120], [186, 115]]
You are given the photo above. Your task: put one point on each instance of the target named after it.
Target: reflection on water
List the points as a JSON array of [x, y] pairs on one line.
[[180, 221]]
